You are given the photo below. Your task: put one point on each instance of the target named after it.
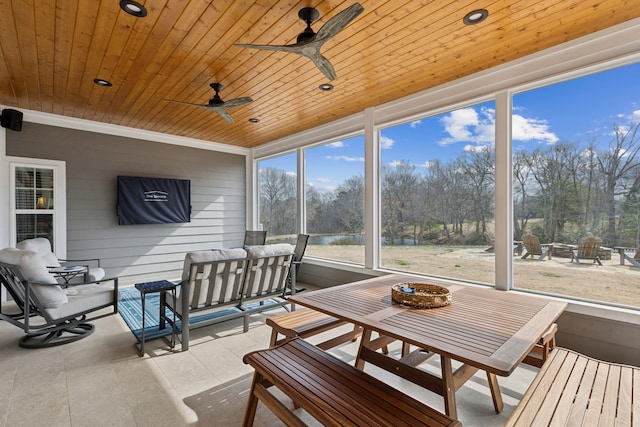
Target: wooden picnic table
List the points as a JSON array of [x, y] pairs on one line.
[[485, 329]]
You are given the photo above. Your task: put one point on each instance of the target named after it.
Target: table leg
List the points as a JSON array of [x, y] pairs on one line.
[[448, 389], [498, 404], [365, 341]]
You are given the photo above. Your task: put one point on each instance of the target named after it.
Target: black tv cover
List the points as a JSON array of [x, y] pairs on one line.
[[153, 200]]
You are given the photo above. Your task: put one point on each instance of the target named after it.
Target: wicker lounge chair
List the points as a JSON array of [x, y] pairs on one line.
[[588, 248], [534, 248]]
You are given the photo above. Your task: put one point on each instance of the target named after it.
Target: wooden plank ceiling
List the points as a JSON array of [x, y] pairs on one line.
[[51, 51]]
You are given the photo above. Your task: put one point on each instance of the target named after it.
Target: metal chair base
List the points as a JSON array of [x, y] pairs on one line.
[[63, 334]]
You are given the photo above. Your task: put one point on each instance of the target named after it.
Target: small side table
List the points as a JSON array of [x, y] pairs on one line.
[[161, 286], [68, 272]]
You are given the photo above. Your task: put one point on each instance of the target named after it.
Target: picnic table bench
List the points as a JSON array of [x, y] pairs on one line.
[[576, 390], [306, 323], [330, 390]]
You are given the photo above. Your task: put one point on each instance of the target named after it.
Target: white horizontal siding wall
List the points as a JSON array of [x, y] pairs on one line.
[[138, 252]]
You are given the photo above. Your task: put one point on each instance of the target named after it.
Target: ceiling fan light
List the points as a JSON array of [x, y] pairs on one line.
[[475, 16], [102, 82], [326, 87], [133, 8]]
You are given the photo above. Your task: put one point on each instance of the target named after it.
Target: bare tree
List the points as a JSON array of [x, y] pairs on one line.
[[616, 164], [398, 188], [479, 169], [277, 201], [348, 206], [521, 211]]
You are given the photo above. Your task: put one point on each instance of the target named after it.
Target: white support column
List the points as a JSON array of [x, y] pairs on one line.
[[5, 185], [371, 192], [4, 195], [251, 194], [301, 217], [503, 194]]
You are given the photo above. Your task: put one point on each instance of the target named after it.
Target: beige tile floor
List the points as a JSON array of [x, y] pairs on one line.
[[101, 381]]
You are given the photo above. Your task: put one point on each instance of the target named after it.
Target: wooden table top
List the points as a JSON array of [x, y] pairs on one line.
[[486, 328]]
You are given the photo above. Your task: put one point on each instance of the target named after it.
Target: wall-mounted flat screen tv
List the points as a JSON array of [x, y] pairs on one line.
[[153, 200]]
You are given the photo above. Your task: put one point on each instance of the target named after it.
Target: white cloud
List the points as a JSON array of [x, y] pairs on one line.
[[458, 124], [386, 142], [323, 180], [526, 129], [415, 123], [630, 120], [620, 130], [291, 173], [337, 144], [396, 163], [469, 125], [346, 158], [478, 127]]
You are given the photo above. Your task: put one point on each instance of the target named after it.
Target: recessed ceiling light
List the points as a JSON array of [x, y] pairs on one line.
[[133, 8], [254, 120], [326, 87], [102, 82], [475, 17]]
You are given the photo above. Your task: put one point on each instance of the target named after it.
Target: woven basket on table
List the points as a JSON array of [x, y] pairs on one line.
[[426, 295]]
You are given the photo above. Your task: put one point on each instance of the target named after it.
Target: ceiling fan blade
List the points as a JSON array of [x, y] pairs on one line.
[[324, 65], [279, 48], [338, 22], [237, 102], [225, 115], [205, 106]]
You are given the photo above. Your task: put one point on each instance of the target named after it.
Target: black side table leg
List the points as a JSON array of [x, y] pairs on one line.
[[163, 299], [142, 297]]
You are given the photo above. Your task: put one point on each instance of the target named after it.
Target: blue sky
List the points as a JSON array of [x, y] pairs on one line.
[[579, 110]]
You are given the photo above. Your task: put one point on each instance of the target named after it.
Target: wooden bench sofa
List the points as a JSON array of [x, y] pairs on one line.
[[330, 390], [576, 390], [232, 278]]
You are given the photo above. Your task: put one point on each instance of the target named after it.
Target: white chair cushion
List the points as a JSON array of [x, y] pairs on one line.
[[95, 274], [259, 251], [51, 260], [209, 278], [83, 298], [269, 254], [42, 247], [35, 270], [205, 256]]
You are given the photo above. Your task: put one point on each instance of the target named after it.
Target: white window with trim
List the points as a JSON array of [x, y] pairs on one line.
[[38, 201]]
